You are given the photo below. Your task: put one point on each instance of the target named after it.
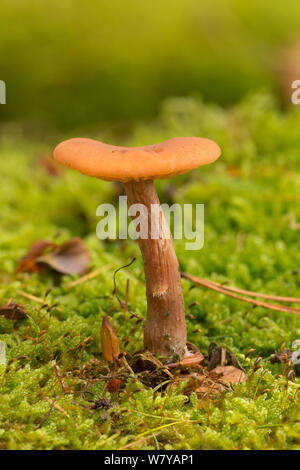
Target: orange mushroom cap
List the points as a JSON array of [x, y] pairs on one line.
[[113, 163]]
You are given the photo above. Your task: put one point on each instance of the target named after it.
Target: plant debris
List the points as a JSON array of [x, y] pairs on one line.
[[13, 311], [282, 357], [190, 361], [203, 385], [113, 385], [220, 356], [223, 368], [109, 341], [151, 371], [71, 257], [102, 403], [229, 374], [225, 290]]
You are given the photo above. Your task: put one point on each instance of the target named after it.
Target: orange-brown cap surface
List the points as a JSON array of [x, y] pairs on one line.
[[112, 163]]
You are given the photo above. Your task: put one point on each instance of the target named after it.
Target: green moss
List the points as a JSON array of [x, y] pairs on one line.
[[251, 199]]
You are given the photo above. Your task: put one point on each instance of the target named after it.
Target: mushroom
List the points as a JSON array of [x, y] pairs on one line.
[[137, 167]]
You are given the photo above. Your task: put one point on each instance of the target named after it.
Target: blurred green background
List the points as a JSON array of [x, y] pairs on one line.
[[76, 63]]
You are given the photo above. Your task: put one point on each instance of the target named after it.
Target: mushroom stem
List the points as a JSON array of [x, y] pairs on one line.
[[165, 327]]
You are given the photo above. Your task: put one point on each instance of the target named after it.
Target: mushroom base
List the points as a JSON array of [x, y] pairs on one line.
[[165, 327]]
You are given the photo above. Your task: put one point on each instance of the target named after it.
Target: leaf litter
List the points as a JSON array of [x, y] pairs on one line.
[[70, 257]]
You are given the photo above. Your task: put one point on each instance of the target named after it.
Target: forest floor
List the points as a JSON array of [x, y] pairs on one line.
[[50, 394]]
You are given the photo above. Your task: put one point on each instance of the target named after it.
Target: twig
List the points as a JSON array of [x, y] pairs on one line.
[[126, 295], [70, 392], [50, 411], [122, 304], [253, 294], [36, 299], [58, 375], [127, 366], [115, 283], [89, 276], [59, 408], [221, 290]]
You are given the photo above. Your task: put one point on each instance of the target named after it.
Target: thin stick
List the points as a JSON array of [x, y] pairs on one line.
[[126, 296], [115, 282], [60, 379], [127, 366], [223, 291], [89, 276], [50, 411], [253, 294], [59, 408], [121, 303], [36, 299]]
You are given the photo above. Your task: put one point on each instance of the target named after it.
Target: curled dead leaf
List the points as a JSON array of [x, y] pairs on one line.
[[13, 311], [109, 341], [71, 257]]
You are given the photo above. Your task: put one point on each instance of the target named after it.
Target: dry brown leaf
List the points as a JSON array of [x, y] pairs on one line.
[[13, 311], [29, 263], [229, 374], [214, 382], [202, 384], [109, 341], [71, 257]]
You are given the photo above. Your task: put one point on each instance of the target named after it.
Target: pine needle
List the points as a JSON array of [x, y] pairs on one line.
[[89, 276], [222, 290]]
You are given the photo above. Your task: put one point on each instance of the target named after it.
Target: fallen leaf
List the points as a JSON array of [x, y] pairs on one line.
[[71, 257], [29, 263], [13, 311], [109, 341], [202, 385], [229, 374], [212, 382]]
